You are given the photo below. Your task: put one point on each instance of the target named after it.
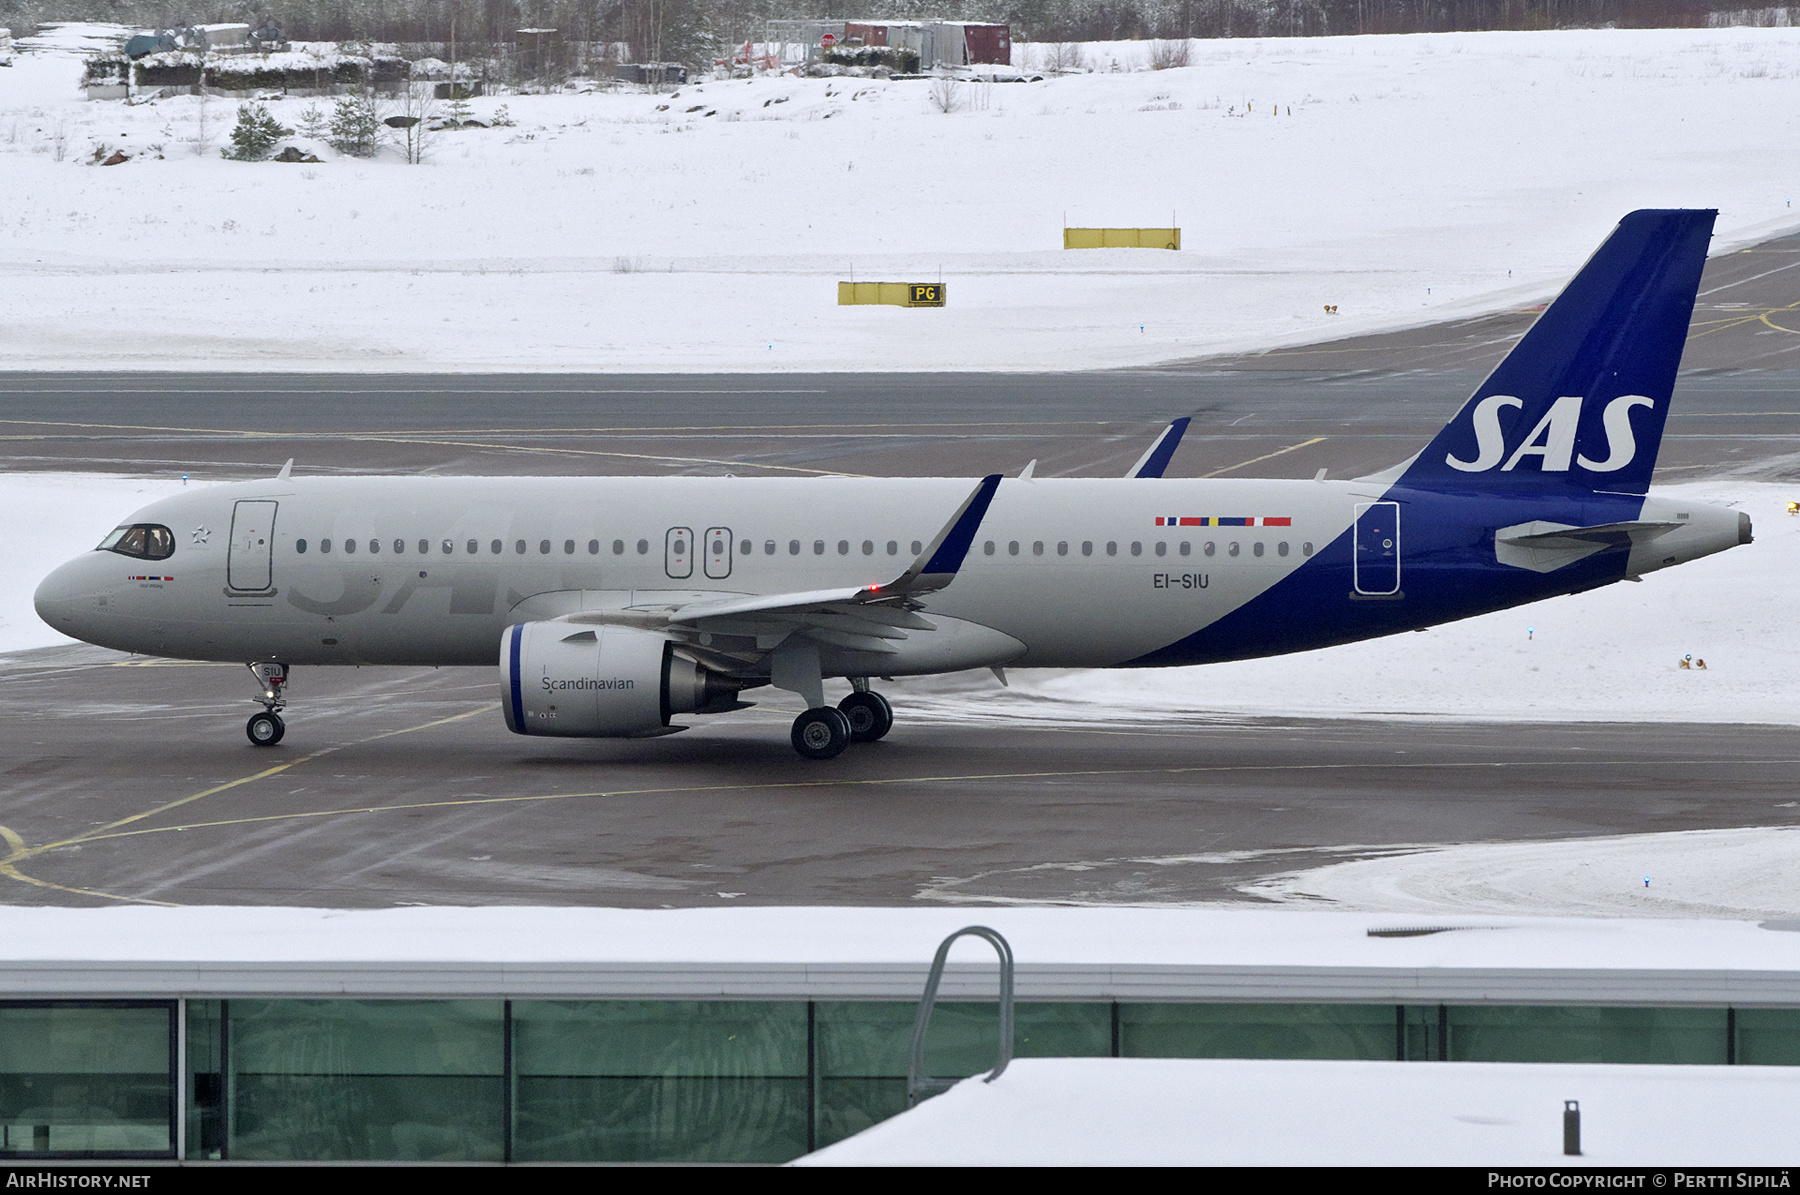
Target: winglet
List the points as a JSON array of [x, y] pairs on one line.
[[1154, 461], [287, 470], [937, 565]]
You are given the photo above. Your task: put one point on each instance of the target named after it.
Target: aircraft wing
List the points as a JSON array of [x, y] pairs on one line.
[[861, 618]]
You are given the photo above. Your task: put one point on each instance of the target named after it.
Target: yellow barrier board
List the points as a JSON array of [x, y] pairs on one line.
[[892, 294], [1121, 238]]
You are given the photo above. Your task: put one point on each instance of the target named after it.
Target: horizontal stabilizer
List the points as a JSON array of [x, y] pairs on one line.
[[1545, 547]]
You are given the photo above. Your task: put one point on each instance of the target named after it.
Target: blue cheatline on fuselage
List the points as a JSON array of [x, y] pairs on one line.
[[1565, 430]]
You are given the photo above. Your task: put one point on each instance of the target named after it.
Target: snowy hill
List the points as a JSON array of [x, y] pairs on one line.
[[1399, 179]]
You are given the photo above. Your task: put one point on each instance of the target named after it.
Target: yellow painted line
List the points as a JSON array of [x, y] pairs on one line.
[[18, 851], [1266, 456], [16, 844], [1740, 319]]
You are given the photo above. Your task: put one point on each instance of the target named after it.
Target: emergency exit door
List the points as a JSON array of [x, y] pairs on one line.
[[678, 552], [718, 552], [249, 562]]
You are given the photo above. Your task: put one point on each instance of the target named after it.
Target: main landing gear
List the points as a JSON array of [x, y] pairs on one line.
[[862, 717], [266, 728]]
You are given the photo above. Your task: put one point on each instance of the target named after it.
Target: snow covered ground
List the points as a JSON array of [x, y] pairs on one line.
[[1401, 179], [1284, 943], [1747, 872], [1226, 1112]]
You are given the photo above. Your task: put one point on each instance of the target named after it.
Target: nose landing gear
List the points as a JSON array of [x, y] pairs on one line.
[[266, 728]]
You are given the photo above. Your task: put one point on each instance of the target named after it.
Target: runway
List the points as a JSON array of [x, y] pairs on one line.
[[130, 780]]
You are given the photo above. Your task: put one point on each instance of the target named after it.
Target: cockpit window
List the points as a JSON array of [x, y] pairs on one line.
[[145, 541]]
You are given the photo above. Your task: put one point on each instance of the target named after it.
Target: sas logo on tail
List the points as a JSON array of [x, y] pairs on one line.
[[1552, 441]]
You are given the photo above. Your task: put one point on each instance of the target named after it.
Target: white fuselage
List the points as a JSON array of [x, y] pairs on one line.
[[1065, 572]]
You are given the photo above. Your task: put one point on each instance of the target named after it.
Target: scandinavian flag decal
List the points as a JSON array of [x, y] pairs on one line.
[[1222, 521]]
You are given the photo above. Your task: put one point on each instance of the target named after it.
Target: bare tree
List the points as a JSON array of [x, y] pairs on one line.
[[203, 137], [1165, 55], [945, 95], [415, 114]]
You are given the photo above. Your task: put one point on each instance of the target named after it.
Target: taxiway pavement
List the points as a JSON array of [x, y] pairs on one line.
[[132, 780]]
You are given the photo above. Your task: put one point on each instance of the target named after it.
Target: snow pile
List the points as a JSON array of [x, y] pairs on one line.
[[1692, 873], [1288, 942], [1231, 1112], [1398, 179]]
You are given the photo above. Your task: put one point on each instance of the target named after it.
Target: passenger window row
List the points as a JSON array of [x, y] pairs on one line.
[[471, 547], [1160, 548], [546, 547]]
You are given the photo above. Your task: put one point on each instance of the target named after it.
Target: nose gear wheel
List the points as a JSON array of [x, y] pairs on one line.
[[265, 729]]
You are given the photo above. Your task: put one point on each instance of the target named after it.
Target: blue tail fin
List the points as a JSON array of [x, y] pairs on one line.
[[1580, 402]]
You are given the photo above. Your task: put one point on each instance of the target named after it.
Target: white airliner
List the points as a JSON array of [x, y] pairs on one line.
[[615, 604]]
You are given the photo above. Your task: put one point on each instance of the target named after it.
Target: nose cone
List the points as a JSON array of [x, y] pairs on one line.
[[60, 594], [1744, 535]]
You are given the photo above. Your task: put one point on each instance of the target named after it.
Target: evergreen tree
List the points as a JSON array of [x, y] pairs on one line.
[[255, 136], [355, 126]]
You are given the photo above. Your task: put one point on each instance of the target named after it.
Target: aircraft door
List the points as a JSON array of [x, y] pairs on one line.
[[678, 553], [249, 561], [718, 552], [1377, 560]]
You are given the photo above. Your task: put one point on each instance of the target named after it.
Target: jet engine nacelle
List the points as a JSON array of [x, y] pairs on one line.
[[565, 679]]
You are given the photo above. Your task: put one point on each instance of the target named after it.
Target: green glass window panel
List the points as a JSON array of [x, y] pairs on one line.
[[659, 1037], [367, 1037], [719, 1081], [720, 1118], [1574, 1034], [361, 1080], [1256, 1031], [1768, 1036], [205, 1080], [1423, 1030], [88, 1079], [862, 1048], [870, 1039]]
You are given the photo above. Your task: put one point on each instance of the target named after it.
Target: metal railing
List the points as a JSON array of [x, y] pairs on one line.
[[919, 1084]]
